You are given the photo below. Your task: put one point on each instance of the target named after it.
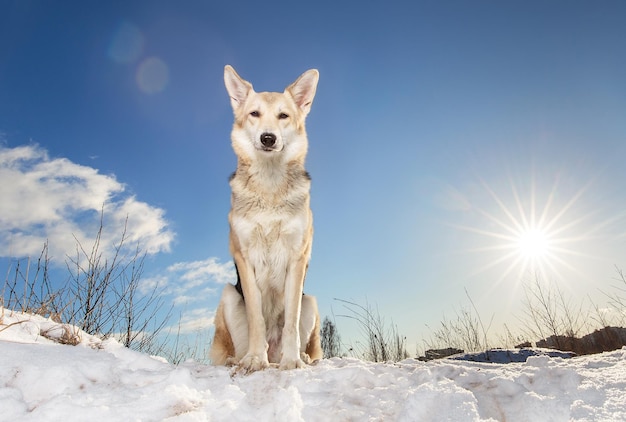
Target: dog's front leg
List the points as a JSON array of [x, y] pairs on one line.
[[256, 357], [293, 302]]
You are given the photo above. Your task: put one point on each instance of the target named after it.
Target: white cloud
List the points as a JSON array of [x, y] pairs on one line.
[[54, 199], [194, 321], [147, 285], [198, 272], [195, 296], [191, 282]]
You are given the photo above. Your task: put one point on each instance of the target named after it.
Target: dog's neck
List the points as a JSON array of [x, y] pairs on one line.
[[270, 174]]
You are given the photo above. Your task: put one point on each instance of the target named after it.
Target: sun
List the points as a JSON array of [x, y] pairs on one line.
[[528, 233], [534, 244]]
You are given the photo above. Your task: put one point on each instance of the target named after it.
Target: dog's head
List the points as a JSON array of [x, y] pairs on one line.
[[268, 123]]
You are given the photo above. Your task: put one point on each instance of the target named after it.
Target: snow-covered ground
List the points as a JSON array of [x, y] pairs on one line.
[[42, 380]]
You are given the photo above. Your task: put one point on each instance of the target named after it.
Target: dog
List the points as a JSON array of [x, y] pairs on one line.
[[266, 319]]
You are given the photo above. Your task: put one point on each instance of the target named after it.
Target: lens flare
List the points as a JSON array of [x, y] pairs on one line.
[[126, 44], [152, 75]]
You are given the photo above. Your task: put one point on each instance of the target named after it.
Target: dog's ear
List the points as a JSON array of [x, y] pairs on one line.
[[303, 89], [238, 89]]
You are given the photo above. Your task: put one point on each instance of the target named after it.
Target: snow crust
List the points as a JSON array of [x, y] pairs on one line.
[[41, 379]]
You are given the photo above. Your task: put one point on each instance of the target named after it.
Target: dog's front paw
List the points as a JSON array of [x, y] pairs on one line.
[[286, 363], [251, 363]]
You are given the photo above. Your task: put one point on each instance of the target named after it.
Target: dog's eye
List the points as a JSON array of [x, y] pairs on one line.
[[283, 116], [255, 114]]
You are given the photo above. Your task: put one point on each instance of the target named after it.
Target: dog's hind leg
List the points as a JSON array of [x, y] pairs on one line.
[[311, 348], [230, 342]]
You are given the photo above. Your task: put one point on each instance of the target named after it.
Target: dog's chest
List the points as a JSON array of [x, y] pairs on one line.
[[270, 239], [270, 220]]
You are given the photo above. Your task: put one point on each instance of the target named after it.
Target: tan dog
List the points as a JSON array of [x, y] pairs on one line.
[[266, 318]]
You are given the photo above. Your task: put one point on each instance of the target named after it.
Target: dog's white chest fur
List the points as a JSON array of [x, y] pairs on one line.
[[271, 219], [270, 239]]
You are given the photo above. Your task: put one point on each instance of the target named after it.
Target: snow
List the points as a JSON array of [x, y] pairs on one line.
[[41, 379]]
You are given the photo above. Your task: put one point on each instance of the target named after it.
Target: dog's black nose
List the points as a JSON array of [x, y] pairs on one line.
[[268, 139]]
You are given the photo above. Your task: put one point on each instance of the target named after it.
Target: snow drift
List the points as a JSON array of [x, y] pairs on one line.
[[41, 379]]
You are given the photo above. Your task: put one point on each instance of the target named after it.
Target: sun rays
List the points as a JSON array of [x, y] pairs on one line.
[[528, 233]]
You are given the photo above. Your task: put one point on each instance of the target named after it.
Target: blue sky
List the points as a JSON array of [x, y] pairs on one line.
[[437, 128]]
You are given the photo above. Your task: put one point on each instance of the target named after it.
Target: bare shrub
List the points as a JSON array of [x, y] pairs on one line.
[[27, 288], [548, 313], [382, 342], [105, 297], [197, 349], [508, 340], [464, 332], [101, 296], [177, 347], [616, 302]]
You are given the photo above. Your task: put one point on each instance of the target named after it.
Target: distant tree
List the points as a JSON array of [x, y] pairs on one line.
[[331, 341]]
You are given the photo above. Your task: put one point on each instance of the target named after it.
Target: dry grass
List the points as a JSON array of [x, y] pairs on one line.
[[63, 334], [382, 342]]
